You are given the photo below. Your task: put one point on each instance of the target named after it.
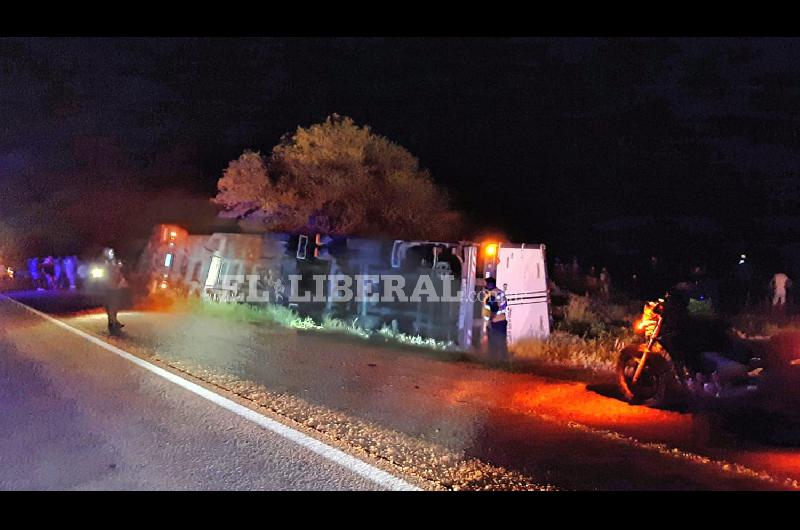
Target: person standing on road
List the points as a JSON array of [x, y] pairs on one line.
[[494, 313], [779, 283], [114, 289]]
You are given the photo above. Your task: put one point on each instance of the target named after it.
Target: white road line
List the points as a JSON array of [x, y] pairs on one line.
[[337, 456]]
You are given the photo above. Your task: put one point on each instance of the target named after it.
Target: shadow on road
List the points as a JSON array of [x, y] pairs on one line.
[[731, 424], [577, 461], [56, 302], [609, 390]]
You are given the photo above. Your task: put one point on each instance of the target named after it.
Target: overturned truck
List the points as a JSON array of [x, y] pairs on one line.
[[425, 288]]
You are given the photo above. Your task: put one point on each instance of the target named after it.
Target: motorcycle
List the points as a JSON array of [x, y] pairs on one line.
[[650, 374]]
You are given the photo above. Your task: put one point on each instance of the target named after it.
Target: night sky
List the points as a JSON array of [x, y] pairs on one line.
[[551, 140]]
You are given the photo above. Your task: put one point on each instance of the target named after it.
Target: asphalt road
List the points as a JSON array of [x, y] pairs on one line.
[[458, 425], [76, 416]]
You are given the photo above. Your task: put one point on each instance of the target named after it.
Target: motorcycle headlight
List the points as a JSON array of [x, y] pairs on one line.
[[97, 272]]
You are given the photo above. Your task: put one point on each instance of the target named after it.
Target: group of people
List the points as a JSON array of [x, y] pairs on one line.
[[572, 277], [105, 277], [652, 279], [51, 273]]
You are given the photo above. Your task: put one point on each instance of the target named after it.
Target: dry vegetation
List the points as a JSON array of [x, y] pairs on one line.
[[590, 335]]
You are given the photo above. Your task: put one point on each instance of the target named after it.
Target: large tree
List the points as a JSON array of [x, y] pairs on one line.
[[341, 178]]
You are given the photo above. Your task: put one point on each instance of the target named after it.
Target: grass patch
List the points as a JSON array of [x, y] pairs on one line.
[[590, 335], [284, 316], [593, 318], [342, 326], [414, 340], [566, 349], [765, 321], [268, 313]]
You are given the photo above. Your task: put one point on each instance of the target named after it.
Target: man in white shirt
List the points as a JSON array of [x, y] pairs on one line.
[[779, 283]]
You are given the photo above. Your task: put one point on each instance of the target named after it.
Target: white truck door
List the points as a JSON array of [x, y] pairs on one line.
[[521, 273]]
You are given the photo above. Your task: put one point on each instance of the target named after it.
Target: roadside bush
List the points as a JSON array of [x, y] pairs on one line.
[[578, 318], [565, 349], [616, 314], [577, 310], [270, 313], [590, 317]]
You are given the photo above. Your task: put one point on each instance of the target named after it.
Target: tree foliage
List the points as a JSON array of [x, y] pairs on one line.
[[342, 178], [244, 184]]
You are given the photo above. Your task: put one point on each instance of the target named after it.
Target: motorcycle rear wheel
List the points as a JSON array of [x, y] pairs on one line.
[[655, 383]]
